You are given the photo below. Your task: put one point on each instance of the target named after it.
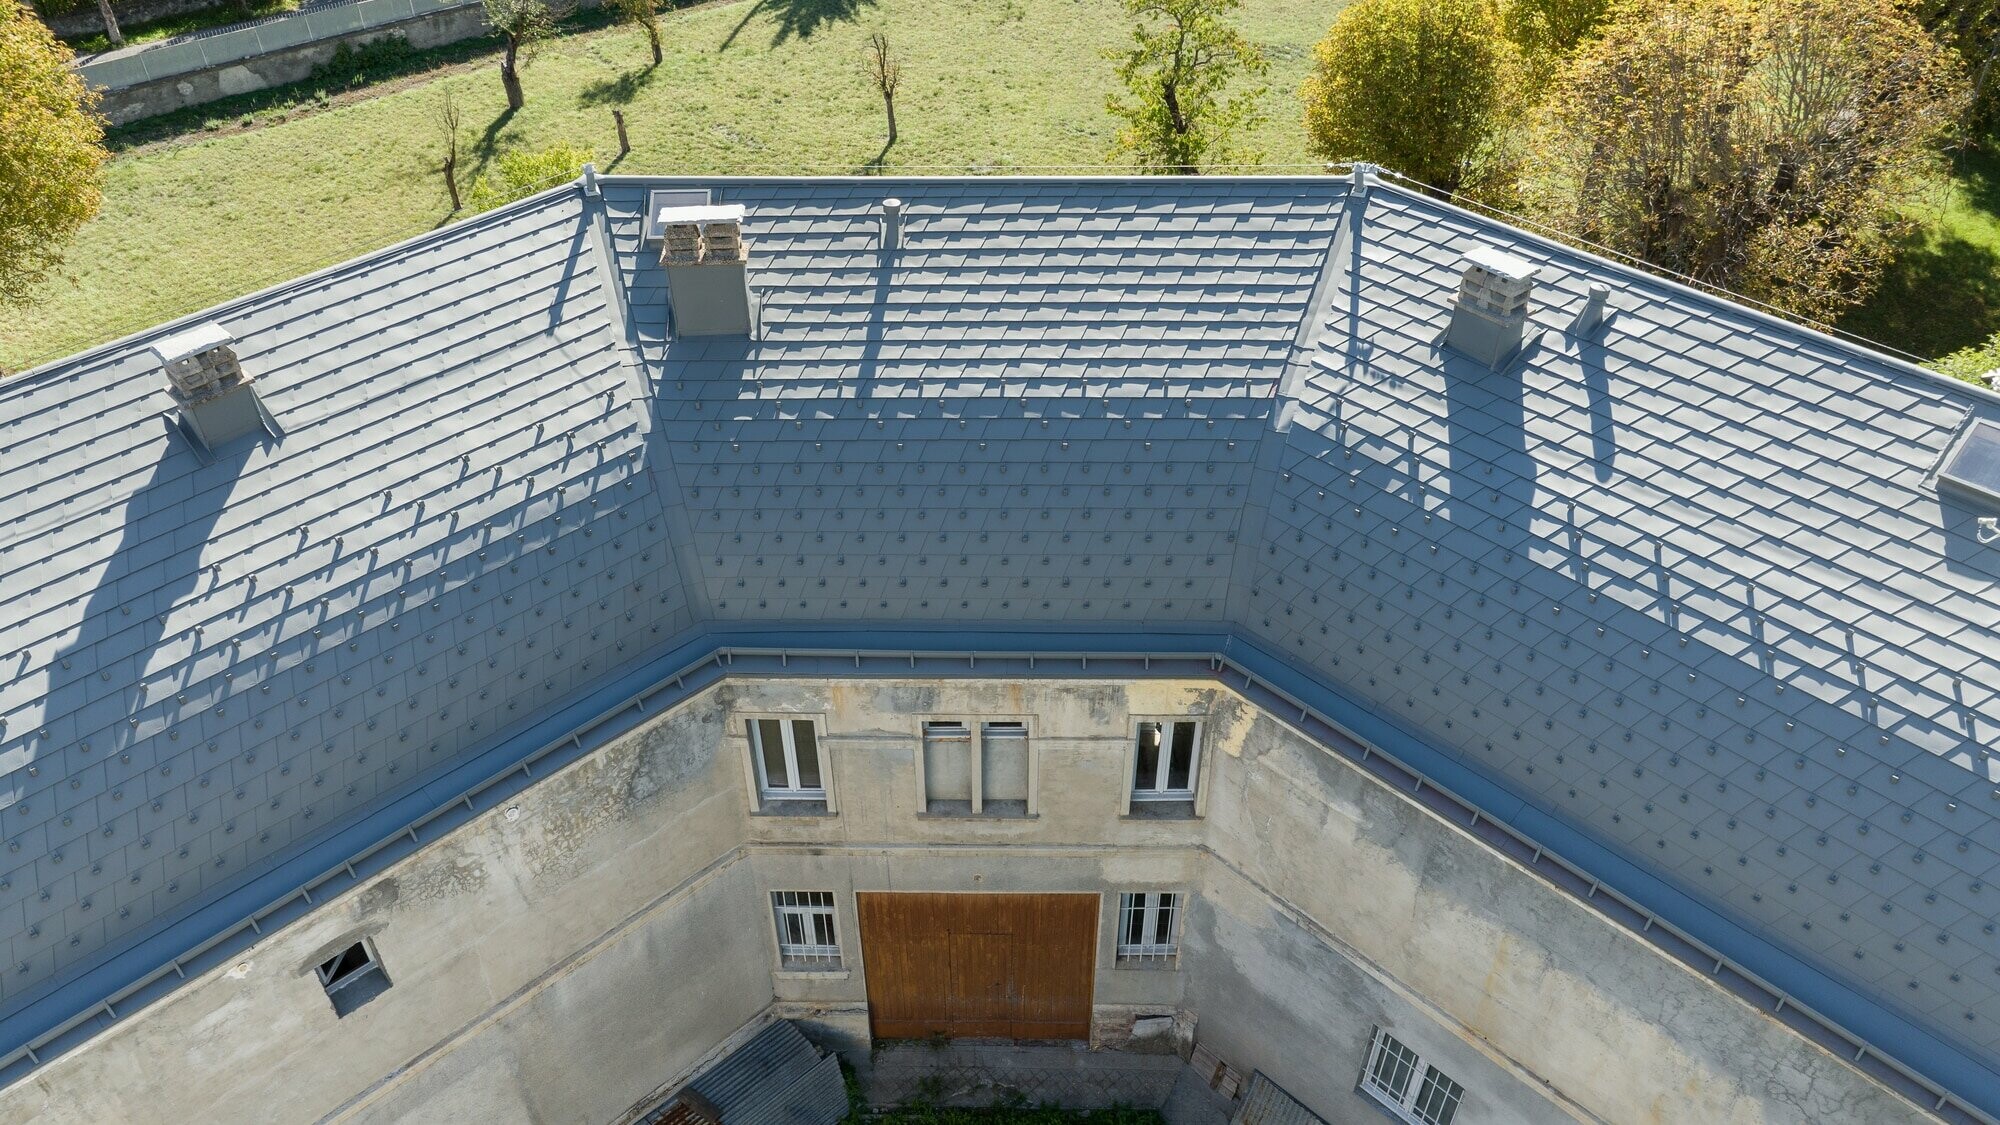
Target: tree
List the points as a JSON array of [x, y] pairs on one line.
[[1757, 146], [524, 24], [51, 152], [110, 18], [645, 16], [1546, 31], [887, 75], [1422, 87], [1972, 28], [448, 120], [1183, 58]]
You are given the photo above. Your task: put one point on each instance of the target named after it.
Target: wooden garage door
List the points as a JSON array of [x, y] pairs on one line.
[[998, 966]]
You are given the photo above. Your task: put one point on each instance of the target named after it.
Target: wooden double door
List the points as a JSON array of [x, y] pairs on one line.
[[1011, 966]]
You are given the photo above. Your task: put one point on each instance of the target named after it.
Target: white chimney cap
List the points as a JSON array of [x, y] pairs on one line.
[[700, 213], [193, 341], [1502, 264]]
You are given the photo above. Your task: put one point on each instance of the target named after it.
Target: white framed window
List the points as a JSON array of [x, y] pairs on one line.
[[1167, 760], [807, 939], [1148, 926], [352, 977], [990, 774], [787, 757], [1409, 1087]]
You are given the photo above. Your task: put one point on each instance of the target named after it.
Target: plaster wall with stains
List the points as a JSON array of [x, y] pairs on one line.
[[560, 958]]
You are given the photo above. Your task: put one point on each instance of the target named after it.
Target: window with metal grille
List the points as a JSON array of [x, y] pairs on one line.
[[990, 775], [806, 936], [1168, 758], [787, 755], [1148, 926], [1411, 1088], [352, 977]]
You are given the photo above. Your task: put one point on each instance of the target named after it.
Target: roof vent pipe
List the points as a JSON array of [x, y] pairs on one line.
[[1595, 309], [589, 178], [1491, 313], [892, 224]]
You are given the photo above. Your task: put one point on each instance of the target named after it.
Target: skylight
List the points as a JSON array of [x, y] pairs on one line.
[[1974, 464]]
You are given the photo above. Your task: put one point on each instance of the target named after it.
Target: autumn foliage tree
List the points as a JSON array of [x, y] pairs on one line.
[[51, 152], [1177, 109], [1546, 31], [1755, 145], [1422, 87]]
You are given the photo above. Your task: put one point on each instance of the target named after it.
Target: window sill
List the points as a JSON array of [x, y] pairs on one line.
[[804, 810], [993, 810], [1383, 1103], [810, 974], [1149, 964], [1162, 810]]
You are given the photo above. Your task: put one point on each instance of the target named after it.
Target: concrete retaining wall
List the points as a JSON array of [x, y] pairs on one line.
[[564, 957], [158, 78]]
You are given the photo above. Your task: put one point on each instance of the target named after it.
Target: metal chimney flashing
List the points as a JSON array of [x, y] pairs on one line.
[[216, 399], [1491, 311]]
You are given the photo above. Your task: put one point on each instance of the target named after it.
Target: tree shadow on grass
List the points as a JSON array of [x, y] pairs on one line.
[[489, 144], [877, 164], [617, 91], [798, 18], [1939, 295]]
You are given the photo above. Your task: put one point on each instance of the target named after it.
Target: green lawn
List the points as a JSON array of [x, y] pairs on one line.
[[1943, 292], [762, 85], [754, 86]]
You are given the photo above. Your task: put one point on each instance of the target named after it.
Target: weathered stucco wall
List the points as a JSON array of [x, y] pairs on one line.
[[1335, 906], [559, 959]]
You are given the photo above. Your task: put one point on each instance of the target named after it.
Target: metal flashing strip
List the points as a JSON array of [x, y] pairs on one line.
[[70, 1016]]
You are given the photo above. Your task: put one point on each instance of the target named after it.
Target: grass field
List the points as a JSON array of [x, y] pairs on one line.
[[275, 184], [1943, 293], [762, 85]]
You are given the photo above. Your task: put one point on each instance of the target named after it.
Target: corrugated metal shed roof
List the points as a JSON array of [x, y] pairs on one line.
[[1266, 1103], [777, 1078]]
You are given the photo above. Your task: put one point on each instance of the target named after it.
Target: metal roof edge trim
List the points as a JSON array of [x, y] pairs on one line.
[[1331, 178], [1987, 395], [466, 226], [711, 654]]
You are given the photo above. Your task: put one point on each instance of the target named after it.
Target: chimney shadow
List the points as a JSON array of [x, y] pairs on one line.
[[97, 677], [1590, 353]]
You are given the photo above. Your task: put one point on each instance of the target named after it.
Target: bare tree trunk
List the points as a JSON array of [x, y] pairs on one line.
[[653, 40], [510, 76], [111, 31], [889, 104], [624, 145], [451, 183]]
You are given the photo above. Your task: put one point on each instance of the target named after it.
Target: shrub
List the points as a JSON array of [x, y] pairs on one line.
[[518, 175]]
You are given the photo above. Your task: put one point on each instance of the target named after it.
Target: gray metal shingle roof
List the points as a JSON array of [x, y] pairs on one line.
[[1683, 584]]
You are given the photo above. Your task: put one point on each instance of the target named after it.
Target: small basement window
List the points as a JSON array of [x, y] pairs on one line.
[[1973, 465], [1148, 923], [807, 940], [352, 977], [1406, 1085]]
